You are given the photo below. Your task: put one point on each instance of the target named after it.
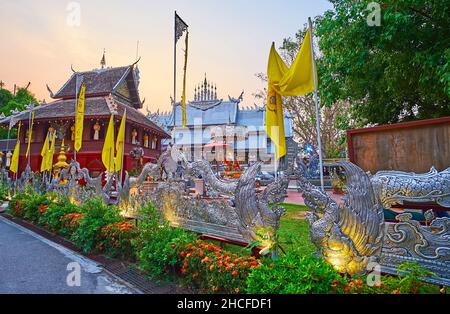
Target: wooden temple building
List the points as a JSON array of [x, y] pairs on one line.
[[108, 90]]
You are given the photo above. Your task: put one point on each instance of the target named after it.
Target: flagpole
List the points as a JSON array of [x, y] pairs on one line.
[[75, 119], [123, 147], [174, 71], [316, 102], [30, 133]]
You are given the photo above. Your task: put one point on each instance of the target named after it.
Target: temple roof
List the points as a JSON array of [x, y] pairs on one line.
[[120, 81], [214, 112], [94, 107], [220, 113]]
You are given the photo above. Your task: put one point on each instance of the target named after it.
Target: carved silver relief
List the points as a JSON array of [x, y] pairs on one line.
[[410, 241], [396, 186]]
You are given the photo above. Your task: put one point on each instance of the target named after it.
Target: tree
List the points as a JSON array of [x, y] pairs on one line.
[[335, 118], [397, 71], [9, 102], [5, 97]]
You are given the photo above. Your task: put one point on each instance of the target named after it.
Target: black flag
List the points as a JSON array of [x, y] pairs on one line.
[[180, 27]]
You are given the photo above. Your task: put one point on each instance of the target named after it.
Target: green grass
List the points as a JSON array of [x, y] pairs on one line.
[[294, 230], [293, 233]]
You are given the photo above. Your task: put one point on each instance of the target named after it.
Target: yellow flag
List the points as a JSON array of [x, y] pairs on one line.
[[299, 80], [119, 142], [44, 154], [274, 109], [284, 81], [108, 147], [15, 157], [30, 133], [79, 119], [275, 122], [51, 152]]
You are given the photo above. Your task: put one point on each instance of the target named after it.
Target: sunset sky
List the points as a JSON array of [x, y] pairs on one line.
[[229, 40]]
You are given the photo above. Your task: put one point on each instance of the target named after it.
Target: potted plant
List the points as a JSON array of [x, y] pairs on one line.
[[337, 183]]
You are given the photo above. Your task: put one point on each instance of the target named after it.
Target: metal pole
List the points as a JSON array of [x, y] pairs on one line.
[[123, 146], [29, 133], [75, 119], [174, 72], [316, 102]]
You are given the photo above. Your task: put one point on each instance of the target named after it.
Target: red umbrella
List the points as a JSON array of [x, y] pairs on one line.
[[216, 144]]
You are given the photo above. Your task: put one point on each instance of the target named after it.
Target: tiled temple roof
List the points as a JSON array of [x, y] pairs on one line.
[[101, 81], [94, 107]]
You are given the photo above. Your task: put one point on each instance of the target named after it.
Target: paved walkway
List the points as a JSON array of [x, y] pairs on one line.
[[295, 197], [30, 263]]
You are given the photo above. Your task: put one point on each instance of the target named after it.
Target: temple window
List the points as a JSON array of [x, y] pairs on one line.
[[154, 142], [146, 140], [134, 136], [97, 130]]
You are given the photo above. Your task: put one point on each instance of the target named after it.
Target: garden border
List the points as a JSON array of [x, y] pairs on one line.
[[121, 270]]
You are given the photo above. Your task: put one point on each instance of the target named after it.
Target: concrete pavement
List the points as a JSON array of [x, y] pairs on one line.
[[30, 263]]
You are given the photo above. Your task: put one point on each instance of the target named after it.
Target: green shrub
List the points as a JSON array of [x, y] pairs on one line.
[[292, 274], [16, 205], [96, 215], [116, 240], [158, 244], [4, 191], [409, 281], [30, 205], [411, 278], [211, 269], [53, 217]]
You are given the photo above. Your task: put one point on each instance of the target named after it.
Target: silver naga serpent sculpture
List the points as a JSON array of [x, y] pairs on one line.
[[166, 163], [350, 235], [257, 221], [397, 186]]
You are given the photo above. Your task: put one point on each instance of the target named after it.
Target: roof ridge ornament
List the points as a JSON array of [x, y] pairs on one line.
[[237, 100], [103, 60], [50, 91]]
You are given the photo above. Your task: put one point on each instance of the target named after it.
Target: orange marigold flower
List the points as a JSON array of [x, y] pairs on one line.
[[396, 291], [206, 260], [234, 273]]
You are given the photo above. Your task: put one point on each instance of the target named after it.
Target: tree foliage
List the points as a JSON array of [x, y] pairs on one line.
[[9, 102], [397, 71]]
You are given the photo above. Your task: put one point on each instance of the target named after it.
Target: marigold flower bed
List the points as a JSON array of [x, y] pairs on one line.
[[214, 270]]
